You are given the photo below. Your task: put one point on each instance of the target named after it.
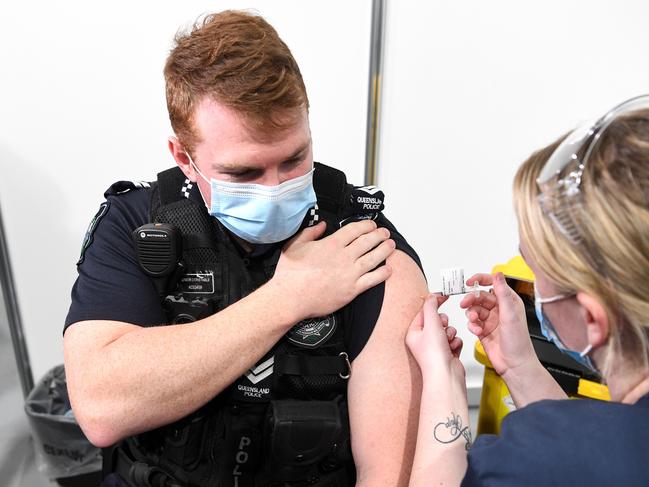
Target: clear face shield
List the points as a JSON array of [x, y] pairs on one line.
[[560, 179]]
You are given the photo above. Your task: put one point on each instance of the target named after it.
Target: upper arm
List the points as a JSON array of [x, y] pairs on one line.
[[82, 347], [111, 285], [85, 339], [385, 384]]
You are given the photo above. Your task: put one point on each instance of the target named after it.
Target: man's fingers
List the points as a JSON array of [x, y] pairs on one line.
[[368, 241], [352, 231], [373, 258], [309, 234], [371, 279]]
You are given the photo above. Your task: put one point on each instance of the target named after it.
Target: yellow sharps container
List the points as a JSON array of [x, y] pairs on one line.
[[576, 380]]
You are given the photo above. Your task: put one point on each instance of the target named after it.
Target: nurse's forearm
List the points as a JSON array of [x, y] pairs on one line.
[[444, 434], [531, 383]]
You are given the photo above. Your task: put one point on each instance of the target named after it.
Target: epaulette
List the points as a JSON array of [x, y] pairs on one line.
[[121, 187]]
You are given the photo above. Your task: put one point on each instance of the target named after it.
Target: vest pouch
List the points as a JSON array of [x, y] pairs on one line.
[[302, 434], [185, 442]]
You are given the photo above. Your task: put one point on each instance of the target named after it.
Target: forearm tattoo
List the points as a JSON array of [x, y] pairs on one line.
[[450, 430]]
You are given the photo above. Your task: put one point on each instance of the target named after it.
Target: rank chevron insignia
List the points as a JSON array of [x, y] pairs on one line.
[[263, 370], [370, 189]]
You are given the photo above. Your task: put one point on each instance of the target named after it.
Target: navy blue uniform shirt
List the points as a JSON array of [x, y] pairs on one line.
[[111, 285], [570, 442]]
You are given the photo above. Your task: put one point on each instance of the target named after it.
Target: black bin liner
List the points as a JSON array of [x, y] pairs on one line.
[[62, 450]]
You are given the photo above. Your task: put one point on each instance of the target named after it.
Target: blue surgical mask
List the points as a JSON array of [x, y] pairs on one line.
[[261, 214], [549, 332]]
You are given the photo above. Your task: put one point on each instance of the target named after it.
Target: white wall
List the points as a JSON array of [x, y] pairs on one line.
[[471, 88], [82, 105]]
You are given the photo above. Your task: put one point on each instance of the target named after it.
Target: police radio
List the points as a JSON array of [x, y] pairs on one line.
[[159, 252]]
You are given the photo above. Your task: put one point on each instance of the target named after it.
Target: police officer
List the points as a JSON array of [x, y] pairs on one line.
[[241, 320]]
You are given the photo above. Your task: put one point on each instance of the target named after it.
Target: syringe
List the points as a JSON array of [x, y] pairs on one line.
[[453, 283]]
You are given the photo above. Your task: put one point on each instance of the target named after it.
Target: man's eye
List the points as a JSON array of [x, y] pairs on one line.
[[243, 175], [291, 163]]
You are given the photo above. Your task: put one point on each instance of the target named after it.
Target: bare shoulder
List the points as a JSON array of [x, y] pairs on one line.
[[384, 374], [402, 300], [405, 287]]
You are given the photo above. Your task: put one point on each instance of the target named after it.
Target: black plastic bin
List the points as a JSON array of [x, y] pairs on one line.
[[63, 453]]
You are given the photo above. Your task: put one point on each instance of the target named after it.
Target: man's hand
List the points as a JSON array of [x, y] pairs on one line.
[[324, 275]]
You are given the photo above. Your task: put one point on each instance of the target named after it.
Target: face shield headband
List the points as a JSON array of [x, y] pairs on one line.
[[560, 179]]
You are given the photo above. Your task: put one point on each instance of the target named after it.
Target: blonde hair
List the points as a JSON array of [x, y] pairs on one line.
[[612, 261]]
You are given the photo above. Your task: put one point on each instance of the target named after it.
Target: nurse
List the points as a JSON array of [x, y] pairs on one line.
[[582, 205]]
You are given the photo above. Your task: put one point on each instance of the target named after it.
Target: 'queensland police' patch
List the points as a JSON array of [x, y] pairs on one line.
[[255, 384], [367, 199], [313, 332], [87, 239]]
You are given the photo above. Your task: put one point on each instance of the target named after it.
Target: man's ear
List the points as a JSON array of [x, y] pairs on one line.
[[178, 152], [596, 319]]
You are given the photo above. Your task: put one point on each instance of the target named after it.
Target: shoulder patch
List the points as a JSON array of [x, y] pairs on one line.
[[121, 187], [368, 199], [87, 239], [366, 202], [313, 332]]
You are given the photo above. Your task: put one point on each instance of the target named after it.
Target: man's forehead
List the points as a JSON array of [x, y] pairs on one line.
[[215, 120]]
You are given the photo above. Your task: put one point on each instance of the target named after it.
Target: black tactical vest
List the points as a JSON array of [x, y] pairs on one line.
[[284, 422]]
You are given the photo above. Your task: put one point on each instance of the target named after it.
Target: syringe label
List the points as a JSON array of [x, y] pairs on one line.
[[452, 281]]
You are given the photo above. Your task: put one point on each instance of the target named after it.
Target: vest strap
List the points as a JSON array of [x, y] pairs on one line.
[[169, 184], [198, 241], [331, 187], [305, 365]]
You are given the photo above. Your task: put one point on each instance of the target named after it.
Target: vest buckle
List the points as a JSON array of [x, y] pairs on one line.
[[349, 366]]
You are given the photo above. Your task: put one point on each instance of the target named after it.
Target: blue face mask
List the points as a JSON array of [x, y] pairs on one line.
[[261, 214], [549, 332]]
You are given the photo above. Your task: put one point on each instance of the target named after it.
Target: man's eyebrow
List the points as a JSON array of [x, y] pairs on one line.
[[299, 151], [234, 166], [244, 166]]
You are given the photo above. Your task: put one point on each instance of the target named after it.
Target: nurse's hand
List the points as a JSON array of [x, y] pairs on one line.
[[499, 321], [433, 343]]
